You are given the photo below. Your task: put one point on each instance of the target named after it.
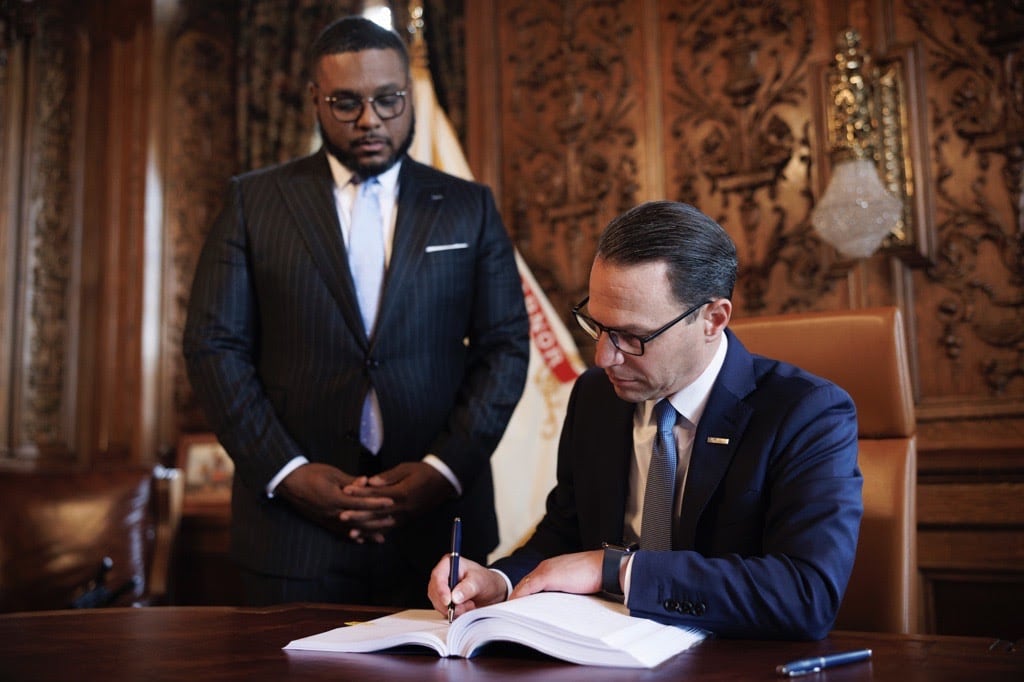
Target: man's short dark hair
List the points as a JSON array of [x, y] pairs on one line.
[[701, 256], [354, 34]]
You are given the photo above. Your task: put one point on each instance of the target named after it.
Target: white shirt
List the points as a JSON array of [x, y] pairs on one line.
[[689, 403]]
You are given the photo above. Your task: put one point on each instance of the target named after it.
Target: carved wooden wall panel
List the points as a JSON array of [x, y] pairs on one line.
[[200, 158], [970, 303], [573, 134], [40, 234], [73, 234], [738, 142]]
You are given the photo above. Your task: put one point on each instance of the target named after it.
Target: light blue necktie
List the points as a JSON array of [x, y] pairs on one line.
[[366, 261], [659, 497]]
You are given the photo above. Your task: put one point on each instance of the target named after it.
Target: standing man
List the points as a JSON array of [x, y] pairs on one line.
[[358, 340], [705, 486]]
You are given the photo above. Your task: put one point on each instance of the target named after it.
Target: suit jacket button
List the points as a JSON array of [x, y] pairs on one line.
[[670, 605], [687, 607], [699, 608], [372, 363]]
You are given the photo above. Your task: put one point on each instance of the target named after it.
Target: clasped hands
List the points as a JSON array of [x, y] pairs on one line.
[[577, 573], [364, 508]]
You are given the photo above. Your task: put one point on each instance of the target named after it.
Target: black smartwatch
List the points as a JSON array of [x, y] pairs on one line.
[[613, 555]]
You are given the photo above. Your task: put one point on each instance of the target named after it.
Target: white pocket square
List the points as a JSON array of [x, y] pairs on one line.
[[446, 247]]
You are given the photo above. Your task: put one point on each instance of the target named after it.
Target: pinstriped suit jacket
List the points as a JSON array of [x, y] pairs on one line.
[[280, 362]]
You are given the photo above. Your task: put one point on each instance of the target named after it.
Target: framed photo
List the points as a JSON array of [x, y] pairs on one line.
[[207, 468]]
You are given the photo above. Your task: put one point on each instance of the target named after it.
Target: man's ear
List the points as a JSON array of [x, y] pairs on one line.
[[717, 316]]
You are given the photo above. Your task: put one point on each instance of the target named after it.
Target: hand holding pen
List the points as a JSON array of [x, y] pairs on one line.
[[453, 563]]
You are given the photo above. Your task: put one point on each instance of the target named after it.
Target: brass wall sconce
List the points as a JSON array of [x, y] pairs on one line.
[[874, 199]]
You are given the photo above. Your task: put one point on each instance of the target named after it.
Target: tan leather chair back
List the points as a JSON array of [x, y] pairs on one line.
[[864, 351], [57, 527]]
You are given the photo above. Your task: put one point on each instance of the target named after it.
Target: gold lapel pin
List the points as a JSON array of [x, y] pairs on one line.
[[718, 440]]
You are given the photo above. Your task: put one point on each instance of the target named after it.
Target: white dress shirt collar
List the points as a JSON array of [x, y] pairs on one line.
[[691, 401]]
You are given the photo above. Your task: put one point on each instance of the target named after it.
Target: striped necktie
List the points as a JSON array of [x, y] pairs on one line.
[[659, 497]]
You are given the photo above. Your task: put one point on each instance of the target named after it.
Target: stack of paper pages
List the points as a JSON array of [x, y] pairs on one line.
[[576, 628]]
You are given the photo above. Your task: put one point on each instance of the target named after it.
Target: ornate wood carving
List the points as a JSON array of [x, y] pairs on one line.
[[200, 160], [43, 399], [738, 111], [573, 118], [971, 302]]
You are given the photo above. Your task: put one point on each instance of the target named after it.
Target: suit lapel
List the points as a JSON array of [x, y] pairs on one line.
[[725, 418], [309, 193], [420, 196]]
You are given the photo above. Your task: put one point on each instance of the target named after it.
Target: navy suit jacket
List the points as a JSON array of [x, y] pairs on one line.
[[766, 538], [280, 362]]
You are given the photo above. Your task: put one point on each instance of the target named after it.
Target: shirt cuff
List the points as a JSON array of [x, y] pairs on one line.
[[508, 583], [291, 466], [435, 461]]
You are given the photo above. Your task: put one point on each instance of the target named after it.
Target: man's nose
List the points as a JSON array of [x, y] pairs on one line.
[[605, 352], [368, 117]]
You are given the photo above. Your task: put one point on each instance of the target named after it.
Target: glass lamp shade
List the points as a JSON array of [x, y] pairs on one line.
[[857, 212]]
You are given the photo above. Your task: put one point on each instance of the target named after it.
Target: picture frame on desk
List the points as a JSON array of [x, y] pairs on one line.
[[208, 471]]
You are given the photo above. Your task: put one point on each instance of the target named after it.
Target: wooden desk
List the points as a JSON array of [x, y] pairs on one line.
[[211, 643]]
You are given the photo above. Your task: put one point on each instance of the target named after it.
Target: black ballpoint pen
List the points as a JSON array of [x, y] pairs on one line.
[[453, 563], [819, 663]]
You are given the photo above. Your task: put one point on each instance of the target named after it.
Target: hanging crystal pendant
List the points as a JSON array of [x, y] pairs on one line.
[[857, 212]]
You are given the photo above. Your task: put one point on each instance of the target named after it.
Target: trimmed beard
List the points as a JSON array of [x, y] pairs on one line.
[[350, 161]]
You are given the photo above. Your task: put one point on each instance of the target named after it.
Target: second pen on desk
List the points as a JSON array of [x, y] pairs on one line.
[[453, 563]]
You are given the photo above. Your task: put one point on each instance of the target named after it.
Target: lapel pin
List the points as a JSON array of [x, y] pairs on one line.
[[718, 440]]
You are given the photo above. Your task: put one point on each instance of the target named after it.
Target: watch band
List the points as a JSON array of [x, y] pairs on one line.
[[610, 564]]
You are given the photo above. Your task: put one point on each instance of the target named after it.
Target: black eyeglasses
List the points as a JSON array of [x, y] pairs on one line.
[[630, 344], [348, 108]]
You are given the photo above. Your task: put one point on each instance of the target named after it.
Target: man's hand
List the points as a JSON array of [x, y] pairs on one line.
[[478, 586], [413, 487], [578, 573], [318, 492]]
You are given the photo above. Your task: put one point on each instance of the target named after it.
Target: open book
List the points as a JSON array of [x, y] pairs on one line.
[[577, 628]]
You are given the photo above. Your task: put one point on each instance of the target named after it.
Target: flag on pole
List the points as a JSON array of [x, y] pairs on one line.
[[524, 462]]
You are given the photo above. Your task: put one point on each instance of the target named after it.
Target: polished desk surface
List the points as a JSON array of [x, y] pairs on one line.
[[208, 643]]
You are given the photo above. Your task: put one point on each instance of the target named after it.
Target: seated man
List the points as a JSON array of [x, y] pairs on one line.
[[743, 518]]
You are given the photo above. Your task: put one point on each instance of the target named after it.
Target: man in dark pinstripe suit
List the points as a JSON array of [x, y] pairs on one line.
[[281, 360]]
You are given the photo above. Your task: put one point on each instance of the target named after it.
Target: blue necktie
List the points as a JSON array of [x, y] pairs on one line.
[[366, 251], [366, 261], [659, 497]]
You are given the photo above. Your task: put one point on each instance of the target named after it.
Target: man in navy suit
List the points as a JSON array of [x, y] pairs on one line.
[[766, 495], [299, 387]]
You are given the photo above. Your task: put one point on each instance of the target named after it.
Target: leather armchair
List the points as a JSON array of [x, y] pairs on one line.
[[864, 351], [58, 529]]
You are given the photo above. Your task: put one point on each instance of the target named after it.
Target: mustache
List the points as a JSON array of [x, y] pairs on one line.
[[369, 139]]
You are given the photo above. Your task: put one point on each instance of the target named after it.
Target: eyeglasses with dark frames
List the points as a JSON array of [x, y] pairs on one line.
[[348, 108], [628, 343]]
